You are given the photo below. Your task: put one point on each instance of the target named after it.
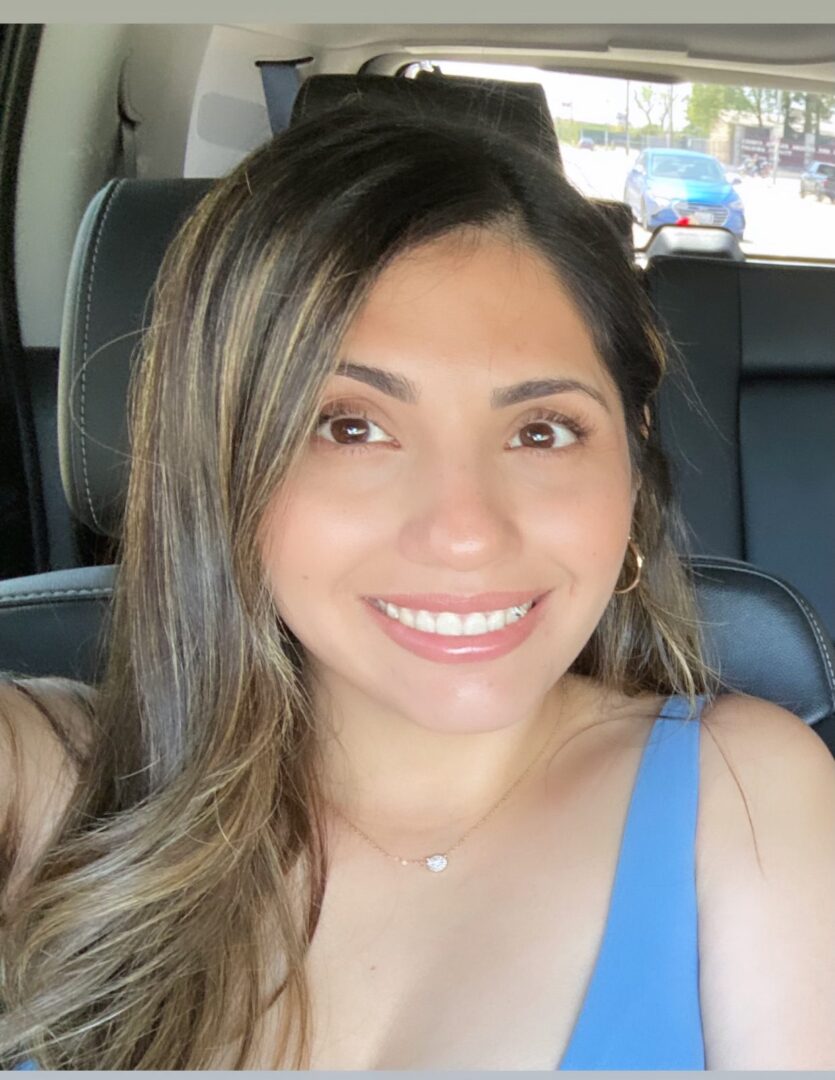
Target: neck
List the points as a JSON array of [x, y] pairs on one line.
[[407, 784]]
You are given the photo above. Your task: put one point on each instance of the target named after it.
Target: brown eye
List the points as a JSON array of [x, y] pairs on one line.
[[346, 427], [550, 432], [539, 435]]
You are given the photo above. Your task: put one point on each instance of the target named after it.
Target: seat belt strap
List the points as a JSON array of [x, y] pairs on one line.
[[281, 80]]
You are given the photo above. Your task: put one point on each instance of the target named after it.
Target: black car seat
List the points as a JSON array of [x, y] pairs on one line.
[[697, 241], [519, 109], [753, 449]]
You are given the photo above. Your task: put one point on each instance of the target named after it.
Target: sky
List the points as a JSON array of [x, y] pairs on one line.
[[594, 99]]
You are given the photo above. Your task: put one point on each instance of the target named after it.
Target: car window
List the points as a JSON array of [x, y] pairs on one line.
[[746, 161]]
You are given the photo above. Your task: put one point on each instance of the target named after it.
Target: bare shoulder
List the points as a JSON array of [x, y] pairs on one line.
[[763, 770], [753, 722], [45, 716], [46, 730], [766, 879]]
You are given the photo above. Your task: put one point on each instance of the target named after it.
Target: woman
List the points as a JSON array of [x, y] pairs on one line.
[[398, 755]]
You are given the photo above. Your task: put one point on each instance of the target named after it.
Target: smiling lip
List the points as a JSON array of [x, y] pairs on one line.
[[460, 605], [461, 649]]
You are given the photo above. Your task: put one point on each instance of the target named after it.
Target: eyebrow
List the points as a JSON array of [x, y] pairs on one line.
[[403, 389]]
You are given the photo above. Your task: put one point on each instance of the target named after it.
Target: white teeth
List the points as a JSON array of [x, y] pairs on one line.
[[475, 623], [425, 621], [449, 624]]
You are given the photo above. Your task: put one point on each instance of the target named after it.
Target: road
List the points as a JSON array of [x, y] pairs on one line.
[[778, 221]]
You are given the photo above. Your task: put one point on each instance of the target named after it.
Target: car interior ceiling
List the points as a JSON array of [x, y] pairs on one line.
[[746, 415]]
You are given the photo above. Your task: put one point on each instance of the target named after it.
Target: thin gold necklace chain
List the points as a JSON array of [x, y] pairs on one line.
[[439, 861]]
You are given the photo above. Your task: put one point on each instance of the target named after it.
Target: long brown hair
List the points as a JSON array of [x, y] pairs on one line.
[[197, 815]]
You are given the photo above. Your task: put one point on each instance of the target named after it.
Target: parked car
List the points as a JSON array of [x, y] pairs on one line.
[[666, 185], [586, 143], [818, 179], [827, 189]]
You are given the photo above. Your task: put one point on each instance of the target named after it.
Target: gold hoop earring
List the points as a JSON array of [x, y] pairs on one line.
[[639, 559]]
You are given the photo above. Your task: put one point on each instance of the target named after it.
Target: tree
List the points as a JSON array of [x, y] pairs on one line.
[[824, 108], [816, 107], [706, 102], [761, 101], [650, 100], [800, 111]]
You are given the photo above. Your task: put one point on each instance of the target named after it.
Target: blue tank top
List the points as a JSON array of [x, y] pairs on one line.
[[641, 1008]]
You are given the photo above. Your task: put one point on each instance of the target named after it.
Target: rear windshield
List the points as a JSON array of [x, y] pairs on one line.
[[744, 154], [679, 167]]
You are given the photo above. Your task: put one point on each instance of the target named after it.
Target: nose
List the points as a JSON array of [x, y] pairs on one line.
[[462, 519]]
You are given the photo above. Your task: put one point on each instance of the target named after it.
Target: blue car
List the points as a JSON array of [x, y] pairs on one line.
[[664, 186]]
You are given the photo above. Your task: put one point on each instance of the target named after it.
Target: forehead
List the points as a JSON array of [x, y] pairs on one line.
[[470, 303]]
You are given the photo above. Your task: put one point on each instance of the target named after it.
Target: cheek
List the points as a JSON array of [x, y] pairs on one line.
[[585, 514], [293, 542], [309, 542], [318, 536]]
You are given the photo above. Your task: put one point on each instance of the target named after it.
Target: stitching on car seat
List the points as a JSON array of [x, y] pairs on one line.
[[84, 359], [804, 607], [6, 601], [819, 635], [807, 611]]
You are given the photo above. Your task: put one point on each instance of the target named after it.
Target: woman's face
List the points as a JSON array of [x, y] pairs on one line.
[[454, 484]]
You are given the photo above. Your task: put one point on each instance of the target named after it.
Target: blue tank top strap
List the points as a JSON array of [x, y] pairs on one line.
[[641, 1009]]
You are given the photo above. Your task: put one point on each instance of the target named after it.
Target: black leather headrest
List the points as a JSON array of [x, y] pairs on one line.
[[704, 241], [518, 109], [118, 252]]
